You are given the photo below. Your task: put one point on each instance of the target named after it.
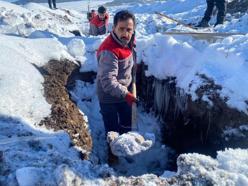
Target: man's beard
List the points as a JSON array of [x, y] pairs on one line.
[[124, 41]]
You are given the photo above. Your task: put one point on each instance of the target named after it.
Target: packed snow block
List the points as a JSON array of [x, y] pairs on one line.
[[201, 124], [129, 144]]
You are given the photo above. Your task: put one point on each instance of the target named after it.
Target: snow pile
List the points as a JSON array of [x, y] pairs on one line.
[[188, 12], [31, 17], [20, 81], [236, 25], [31, 157], [92, 44], [6, 6], [129, 144], [217, 61], [76, 48], [83, 174], [225, 170], [230, 161]]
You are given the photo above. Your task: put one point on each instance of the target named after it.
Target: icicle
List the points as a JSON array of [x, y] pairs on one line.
[[161, 97], [181, 103], [165, 95]]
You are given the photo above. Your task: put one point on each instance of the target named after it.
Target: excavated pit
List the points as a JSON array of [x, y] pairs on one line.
[[154, 165], [188, 126]]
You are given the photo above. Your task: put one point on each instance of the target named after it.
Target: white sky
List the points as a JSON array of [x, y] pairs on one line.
[[34, 34]]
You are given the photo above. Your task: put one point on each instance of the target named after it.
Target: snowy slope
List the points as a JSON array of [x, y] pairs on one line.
[[32, 35]]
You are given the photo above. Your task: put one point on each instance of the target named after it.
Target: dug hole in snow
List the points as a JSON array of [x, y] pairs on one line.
[[129, 144]]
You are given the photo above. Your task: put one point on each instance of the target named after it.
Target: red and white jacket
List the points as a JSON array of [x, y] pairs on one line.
[[98, 26], [114, 75]]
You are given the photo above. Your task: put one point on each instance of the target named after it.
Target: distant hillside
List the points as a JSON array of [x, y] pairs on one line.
[[119, 2], [42, 1]]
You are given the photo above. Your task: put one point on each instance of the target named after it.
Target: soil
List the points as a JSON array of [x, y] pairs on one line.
[[65, 114]]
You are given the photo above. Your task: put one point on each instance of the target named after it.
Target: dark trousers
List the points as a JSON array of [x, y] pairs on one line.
[[52, 2], [116, 117], [221, 7]]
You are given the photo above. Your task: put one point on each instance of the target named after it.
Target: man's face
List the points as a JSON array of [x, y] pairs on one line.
[[101, 16], [124, 30]]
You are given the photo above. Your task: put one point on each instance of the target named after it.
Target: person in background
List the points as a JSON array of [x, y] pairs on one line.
[[52, 4], [221, 7], [114, 74], [91, 15], [99, 23]]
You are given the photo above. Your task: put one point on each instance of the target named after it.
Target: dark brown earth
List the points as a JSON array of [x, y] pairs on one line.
[[237, 6], [65, 114]]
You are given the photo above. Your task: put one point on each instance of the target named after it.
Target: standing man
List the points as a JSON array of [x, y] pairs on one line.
[[114, 75], [52, 2], [221, 7], [99, 23]]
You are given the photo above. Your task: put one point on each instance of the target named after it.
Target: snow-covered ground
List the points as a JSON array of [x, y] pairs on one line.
[[32, 34]]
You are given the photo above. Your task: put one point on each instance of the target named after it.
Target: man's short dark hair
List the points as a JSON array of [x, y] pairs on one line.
[[123, 15], [102, 10]]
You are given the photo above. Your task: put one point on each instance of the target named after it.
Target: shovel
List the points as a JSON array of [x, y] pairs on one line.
[[134, 109]]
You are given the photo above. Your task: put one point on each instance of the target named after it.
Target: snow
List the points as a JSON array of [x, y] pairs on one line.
[[29, 176], [225, 170], [12, 7], [81, 6], [216, 61], [76, 48], [32, 34], [230, 161], [129, 144], [21, 82], [168, 174]]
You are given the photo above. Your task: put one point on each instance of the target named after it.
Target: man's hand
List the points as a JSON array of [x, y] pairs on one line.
[[130, 99]]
